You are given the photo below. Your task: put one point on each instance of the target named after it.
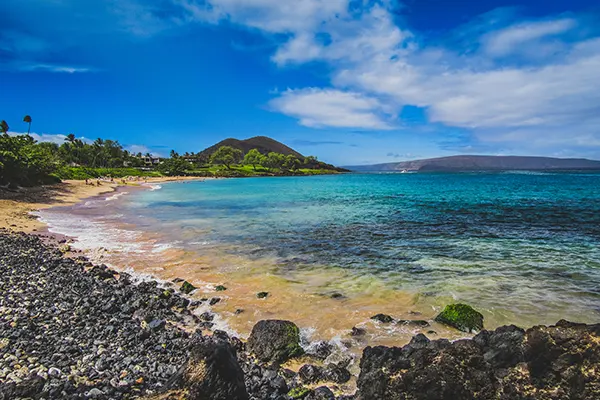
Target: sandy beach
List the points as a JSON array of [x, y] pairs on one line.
[[16, 206]]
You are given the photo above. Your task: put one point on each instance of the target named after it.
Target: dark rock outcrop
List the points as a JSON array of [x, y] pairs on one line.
[[550, 363], [275, 341], [212, 372]]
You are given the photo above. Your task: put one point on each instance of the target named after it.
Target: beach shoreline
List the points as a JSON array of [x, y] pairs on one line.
[[286, 299], [17, 206], [129, 341]]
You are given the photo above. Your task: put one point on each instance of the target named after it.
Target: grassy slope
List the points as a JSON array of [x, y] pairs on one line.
[[91, 173]]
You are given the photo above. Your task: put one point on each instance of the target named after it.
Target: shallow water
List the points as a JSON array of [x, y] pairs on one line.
[[522, 248]]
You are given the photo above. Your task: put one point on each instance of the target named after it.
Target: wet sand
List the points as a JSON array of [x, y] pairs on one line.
[[16, 206]]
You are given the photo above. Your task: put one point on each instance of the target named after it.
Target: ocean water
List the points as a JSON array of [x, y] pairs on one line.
[[522, 248]]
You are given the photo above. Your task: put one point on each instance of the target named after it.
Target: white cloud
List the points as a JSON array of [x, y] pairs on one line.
[[559, 96], [350, 39], [274, 16], [139, 148], [506, 41], [334, 108], [47, 137], [55, 68]]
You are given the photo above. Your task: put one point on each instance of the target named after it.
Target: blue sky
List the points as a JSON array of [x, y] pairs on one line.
[[351, 81]]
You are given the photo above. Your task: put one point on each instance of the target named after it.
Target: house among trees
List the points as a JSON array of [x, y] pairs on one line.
[[150, 160]]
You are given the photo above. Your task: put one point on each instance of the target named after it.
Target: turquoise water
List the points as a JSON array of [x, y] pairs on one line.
[[522, 247]]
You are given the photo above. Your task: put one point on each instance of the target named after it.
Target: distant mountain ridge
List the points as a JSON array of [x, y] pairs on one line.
[[263, 144], [484, 163]]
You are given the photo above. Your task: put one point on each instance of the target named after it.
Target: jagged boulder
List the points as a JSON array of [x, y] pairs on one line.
[[275, 341], [461, 317], [552, 363], [211, 373]]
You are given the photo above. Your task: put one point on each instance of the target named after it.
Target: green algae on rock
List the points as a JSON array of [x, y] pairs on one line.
[[298, 392], [187, 287], [461, 317], [275, 341]]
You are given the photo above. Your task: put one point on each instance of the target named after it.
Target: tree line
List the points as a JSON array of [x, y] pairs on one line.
[[24, 161], [228, 156]]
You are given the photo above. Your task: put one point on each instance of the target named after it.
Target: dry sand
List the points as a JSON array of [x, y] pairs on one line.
[[16, 206]]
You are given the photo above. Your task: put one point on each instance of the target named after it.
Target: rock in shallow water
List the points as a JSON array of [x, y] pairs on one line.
[[187, 287], [461, 317], [358, 331], [386, 319], [275, 341]]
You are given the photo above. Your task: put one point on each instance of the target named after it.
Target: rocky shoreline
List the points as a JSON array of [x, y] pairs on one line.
[[73, 330]]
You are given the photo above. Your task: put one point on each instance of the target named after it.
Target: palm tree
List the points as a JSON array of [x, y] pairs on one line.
[[3, 126], [27, 119], [70, 138]]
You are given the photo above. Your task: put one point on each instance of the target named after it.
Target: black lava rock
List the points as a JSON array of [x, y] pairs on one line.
[[358, 331], [321, 350], [382, 318], [309, 373], [275, 341], [507, 363], [212, 372], [320, 393], [413, 322], [187, 287]]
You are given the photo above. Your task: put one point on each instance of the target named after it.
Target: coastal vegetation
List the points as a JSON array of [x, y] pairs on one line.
[[26, 162]]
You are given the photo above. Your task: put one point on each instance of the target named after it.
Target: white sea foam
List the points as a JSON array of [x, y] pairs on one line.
[[525, 172], [155, 187], [91, 234], [219, 321], [115, 196], [160, 247]]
